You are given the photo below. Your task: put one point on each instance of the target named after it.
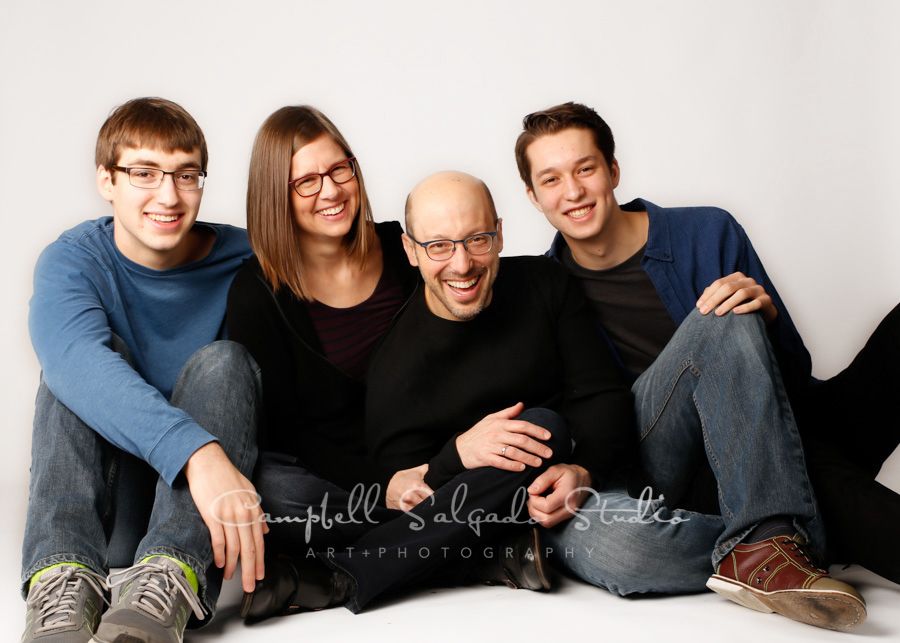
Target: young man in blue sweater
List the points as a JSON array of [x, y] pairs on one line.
[[124, 320], [709, 388]]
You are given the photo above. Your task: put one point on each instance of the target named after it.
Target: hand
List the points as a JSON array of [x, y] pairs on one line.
[[229, 505], [407, 488], [501, 442], [739, 293], [562, 480]]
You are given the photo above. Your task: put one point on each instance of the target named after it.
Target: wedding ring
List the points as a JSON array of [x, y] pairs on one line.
[[503, 450]]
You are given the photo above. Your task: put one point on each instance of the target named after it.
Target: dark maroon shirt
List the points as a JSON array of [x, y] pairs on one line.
[[348, 335]]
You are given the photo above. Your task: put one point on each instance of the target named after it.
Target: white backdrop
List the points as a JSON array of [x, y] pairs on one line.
[[784, 113]]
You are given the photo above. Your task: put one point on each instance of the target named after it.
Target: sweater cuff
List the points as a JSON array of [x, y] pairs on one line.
[[445, 466], [176, 447]]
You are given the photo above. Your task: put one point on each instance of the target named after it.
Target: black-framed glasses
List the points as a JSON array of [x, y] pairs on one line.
[[442, 249], [311, 184], [150, 178]]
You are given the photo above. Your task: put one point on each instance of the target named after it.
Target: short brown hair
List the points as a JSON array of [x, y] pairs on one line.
[[270, 223], [556, 119], [153, 123]]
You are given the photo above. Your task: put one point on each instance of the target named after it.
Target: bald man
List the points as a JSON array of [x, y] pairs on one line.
[[487, 333], [454, 237], [465, 413], [483, 340]]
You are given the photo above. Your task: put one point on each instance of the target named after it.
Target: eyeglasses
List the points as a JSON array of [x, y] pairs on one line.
[[311, 184], [442, 249], [148, 178]]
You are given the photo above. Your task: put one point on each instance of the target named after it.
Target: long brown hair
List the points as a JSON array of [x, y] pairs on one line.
[[273, 233]]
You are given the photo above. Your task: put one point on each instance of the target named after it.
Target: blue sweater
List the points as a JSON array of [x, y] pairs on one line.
[[85, 289], [689, 248]]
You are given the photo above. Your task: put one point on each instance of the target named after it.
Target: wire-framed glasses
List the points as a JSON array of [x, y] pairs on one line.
[[442, 249], [150, 178]]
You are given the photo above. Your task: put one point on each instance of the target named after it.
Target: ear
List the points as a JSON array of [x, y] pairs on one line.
[[614, 173], [534, 200], [410, 248], [498, 240], [104, 183]]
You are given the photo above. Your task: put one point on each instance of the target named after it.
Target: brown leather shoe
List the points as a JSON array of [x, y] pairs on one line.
[[775, 575]]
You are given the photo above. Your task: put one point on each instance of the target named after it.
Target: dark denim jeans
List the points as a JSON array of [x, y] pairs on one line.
[[714, 395], [75, 475], [383, 548]]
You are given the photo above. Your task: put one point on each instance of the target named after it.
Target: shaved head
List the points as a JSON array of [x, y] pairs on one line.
[[442, 185]]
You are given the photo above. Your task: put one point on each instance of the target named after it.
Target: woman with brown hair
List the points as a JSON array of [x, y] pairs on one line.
[[324, 287], [321, 291]]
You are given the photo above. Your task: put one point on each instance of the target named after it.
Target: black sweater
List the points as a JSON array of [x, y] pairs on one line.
[[432, 379], [312, 409]]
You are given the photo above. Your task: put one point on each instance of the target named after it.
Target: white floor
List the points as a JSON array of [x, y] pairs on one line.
[[573, 611]]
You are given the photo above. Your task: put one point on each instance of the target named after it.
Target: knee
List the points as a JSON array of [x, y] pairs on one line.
[[550, 420], [886, 338], [221, 354], [560, 440], [893, 317], [730, 322], [222, 361], [731, 333]]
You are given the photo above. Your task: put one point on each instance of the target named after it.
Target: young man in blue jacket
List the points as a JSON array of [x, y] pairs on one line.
[[709, 388], [124, 320]]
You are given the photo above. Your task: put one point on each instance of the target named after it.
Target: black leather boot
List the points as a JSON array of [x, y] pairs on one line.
[[292, 586], [521, 563]]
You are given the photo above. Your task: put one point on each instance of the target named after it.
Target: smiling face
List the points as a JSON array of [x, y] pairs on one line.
[[452, 205], [331, 212], [153, 227], [573, 184]]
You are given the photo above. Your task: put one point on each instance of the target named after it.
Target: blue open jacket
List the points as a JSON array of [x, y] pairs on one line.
[[689, 248]]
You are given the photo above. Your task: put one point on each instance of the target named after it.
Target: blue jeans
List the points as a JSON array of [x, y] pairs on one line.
[[75, 475], [714, 395]]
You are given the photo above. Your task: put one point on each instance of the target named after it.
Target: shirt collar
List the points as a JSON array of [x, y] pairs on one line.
[[659, 245]]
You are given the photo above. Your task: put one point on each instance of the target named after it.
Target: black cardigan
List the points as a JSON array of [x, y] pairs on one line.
[[312, 409]]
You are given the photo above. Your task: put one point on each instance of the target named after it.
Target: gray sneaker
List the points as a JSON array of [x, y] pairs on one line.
[[64, 605], [154, 605]]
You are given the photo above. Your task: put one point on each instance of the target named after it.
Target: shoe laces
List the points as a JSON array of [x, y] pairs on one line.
[[802, 555], [155, 589], [56, 599]]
